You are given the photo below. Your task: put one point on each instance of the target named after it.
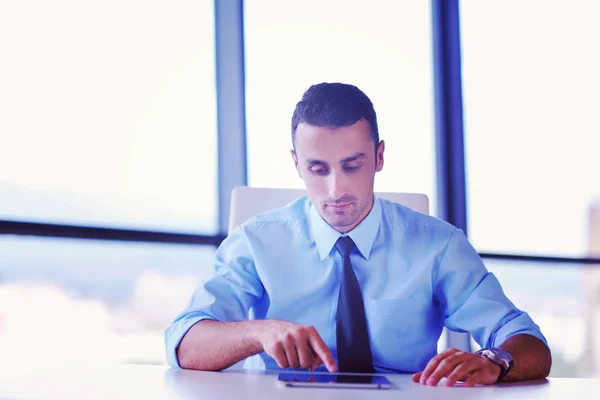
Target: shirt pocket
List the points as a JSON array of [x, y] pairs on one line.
[[400, 306], [395, 316]]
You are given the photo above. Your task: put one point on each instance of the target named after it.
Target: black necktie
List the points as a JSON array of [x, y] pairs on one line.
[[353, 347]]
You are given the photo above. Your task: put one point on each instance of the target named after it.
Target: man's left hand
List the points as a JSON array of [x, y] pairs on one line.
[[456, 365]]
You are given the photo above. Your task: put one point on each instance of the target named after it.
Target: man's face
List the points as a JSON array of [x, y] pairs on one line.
[[338, 168]]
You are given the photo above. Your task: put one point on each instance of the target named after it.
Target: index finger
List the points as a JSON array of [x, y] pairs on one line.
[[322, 351]]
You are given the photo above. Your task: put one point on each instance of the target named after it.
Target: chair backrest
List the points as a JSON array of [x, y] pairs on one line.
[[247, 201]]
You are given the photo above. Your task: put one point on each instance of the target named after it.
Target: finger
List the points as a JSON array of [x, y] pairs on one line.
[[416, 377], [306, 356], [316, 363], [462, 372], [279, 355], [445, 366], [289, 345], [434, 362], [473, 379], [321, 350]]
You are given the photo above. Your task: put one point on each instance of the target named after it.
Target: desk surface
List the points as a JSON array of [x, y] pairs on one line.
[[157, 382]]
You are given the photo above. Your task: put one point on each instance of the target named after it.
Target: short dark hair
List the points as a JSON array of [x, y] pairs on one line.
[[334, 105]]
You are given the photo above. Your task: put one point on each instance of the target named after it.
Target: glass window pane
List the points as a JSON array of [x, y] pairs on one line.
[[566, 306], [532, 133], [108, 114], [105, 301], [384, 48]]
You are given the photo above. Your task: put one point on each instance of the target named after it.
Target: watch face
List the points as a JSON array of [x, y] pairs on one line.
[[500, 357], [489, 354], [501, 354]]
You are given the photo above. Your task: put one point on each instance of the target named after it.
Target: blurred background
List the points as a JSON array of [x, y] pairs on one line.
[[125, 124]]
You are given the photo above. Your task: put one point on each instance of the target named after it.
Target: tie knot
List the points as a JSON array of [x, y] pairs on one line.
[[344, 246]]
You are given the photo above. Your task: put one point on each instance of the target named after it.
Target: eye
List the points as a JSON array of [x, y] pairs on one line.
[[318, 170], [351, 168]]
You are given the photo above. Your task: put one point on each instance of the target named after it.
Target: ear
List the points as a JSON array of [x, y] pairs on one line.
[[295, 158], [379, 156]]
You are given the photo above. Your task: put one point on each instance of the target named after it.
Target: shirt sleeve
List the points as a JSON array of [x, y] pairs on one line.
[[227, 296], [472, 300]]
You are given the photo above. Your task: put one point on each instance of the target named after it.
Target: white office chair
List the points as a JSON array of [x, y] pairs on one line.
[[247, 201]]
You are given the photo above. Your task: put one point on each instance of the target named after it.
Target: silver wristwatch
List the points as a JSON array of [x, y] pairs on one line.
[[499, 357]]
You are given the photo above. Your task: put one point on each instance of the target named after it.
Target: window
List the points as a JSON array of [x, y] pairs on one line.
[[109, 302], [531, 83], [566, 306], [384, 49], [108, 114]]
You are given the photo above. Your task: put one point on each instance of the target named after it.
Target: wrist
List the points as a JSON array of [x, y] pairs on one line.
[[496, 369], [256, 330]]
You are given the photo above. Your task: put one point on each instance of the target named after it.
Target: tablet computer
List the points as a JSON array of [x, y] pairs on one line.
[[335, 381]]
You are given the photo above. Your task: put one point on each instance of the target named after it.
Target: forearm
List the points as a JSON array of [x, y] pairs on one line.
[[532, 359], [212, 346]]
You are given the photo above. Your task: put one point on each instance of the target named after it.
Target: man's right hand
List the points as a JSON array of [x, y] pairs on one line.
[[294, 345]]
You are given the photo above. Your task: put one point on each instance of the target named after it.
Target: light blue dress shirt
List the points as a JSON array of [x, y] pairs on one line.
[[417, 275]]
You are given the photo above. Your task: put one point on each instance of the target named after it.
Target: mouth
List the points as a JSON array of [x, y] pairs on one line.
[[339, 207]]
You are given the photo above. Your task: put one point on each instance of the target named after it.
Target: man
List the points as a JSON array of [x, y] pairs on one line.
[[351, 281]]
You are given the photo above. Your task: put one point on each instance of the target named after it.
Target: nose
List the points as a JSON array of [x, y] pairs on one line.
[[337, 185]]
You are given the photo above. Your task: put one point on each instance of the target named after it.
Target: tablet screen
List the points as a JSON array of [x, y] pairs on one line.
[[293, 379]]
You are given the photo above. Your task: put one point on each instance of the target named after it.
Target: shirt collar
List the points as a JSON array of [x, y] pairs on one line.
[[363, 234]]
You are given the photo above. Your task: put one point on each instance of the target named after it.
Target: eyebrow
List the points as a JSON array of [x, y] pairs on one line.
[[353, 157]]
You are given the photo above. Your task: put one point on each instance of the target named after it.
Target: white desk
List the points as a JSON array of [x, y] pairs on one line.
[[157, 382]]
